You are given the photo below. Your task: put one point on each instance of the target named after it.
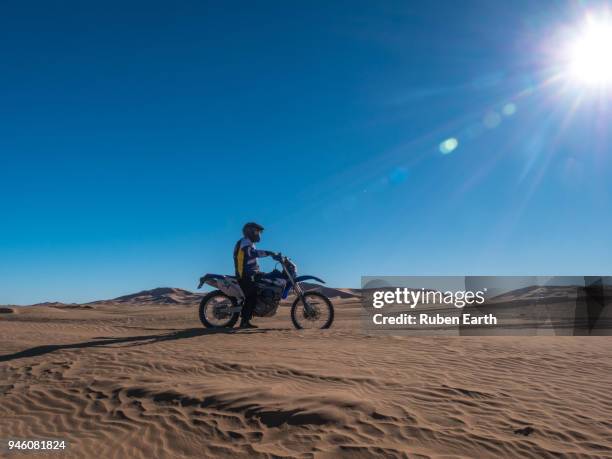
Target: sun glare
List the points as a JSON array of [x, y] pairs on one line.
[[590, 54]]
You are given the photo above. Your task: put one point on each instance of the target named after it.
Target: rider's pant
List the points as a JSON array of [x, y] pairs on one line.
[[250, 292]]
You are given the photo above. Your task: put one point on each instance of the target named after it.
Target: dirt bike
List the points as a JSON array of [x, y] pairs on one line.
[[221, 308]]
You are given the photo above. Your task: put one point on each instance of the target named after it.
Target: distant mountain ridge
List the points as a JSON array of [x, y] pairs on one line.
[[333, 292], [160, 295], [169, 295], [179, 296]]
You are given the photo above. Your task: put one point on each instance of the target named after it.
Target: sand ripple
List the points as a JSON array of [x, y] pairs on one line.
[[152, 383]]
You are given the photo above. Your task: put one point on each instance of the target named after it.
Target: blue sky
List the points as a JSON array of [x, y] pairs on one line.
[[137, 137]]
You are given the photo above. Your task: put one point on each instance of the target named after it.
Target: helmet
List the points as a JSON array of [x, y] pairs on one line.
[[251, 231]]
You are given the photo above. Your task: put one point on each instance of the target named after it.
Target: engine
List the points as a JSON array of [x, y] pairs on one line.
[[269, 293]]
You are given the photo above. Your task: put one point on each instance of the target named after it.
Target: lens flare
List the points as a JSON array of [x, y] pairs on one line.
[[509, 109], [589, 54], [449, 145]]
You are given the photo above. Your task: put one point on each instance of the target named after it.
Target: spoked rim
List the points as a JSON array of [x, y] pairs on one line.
[[213, 312], [319, 315]]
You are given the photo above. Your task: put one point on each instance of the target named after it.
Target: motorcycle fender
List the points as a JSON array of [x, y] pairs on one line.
[[231, 288], [227, 284]]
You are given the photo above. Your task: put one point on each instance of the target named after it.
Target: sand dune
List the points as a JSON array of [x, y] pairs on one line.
[[161, 295], [340, 293], [151, 382], [178, 296]]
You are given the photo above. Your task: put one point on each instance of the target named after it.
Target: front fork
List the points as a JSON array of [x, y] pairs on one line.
[[300, 292]]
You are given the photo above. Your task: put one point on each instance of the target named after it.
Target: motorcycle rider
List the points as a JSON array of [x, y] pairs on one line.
[[247, 268]]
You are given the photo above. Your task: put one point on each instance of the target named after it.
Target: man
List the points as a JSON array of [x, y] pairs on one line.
[[247, 268]]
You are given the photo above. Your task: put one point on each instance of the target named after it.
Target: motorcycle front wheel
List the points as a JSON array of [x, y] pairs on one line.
[[319, 313], [214, 313]]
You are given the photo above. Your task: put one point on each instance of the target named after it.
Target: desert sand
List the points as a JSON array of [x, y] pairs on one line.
[[126, 380]]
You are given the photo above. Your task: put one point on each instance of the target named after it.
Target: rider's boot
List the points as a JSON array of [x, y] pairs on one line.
[[246, 324]]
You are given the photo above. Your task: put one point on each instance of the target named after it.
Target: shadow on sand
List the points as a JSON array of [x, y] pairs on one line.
[[135, 340]]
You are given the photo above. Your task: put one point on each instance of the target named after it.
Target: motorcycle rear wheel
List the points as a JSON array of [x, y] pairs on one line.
[[207, 315], [324, 312]]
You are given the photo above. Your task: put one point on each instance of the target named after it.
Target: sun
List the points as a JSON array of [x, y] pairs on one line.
[[589, 54]]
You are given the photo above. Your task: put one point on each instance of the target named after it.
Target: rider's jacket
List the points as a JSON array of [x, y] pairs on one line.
[[245, 258]]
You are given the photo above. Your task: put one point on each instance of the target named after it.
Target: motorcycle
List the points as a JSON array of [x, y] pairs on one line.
[[221, 308]]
